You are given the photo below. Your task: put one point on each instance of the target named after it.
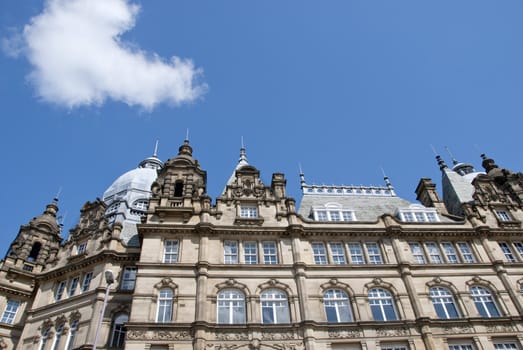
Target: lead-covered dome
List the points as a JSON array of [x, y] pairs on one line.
[[128, 196]]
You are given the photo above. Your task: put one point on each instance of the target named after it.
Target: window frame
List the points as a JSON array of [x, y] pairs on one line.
[[444, 303], [339, 302], [60, 289], [118, 331], [249, 211], [81, 248], [275, 302], [73, 329], [337, 253], [484, 299], [10, 311], [86, 282], [270, 252], [230, 252], [232, 301], [164, 313], [129, 278], [319, 253], [170, 255], [382, 304], [250, 252], [72, 286]]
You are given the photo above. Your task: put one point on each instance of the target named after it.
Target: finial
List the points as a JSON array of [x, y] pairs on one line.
[[302, 176], [387, 180], [55, 199], [488, 163], [155, 154], [440, 161], [243, 153], [187, 136], [454, 161]]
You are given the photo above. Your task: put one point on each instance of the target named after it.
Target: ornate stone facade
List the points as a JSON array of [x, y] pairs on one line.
[[353, 267]]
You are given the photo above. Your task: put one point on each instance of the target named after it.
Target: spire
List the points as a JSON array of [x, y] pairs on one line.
[[302, 176], [155, 154], [441, 162], [243, 156], [185, 149], [152, 162], [454, 161], [387, 180]]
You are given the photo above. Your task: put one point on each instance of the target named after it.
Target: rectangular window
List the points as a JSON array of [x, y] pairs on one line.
[[507, 251], [334, 216], [269, 253], [466, 252], [319, 253], [434, 253], [503, 215], [81, 248], [431, 217], [420, 217], [408, 217], [86, 282], [417, 252], [337, 253], [248, 212], [73, 284], [374, 253], [321, 215], [519, 248], [60, 288], [230, 252], [461, 347], [250, 252], [450, 252], [129, 278], [170, 251], [10, 311], [394, 347], [347, 216], [356, 254], [506, 346]]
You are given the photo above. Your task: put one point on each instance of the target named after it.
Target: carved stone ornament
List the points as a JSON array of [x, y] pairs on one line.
[[500, 328], [352, 333], [277, 335], [158, 335], [223, 346], [458, 330], [287, 346], [231, 336], [392, 332], [3, 344]]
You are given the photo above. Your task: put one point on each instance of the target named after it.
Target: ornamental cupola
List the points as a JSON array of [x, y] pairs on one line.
[[179, 189], [37, 243]]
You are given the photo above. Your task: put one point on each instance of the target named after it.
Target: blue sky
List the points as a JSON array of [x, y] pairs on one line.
[[343, 87]]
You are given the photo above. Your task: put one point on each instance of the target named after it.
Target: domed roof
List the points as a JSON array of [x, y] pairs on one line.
[[138, 179]]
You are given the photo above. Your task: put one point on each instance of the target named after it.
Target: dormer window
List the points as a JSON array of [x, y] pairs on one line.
[[81, 249], [332, 212], [141, 204], [248, 211], [112, 208], [418, 213], [503, 215]]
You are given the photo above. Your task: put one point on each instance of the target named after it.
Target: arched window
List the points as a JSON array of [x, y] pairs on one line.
[[118, 331], [443, 302], [35, 250], [70, 336], [381, 305], [165, 305], [274, 307], [43, 339], [231, 307], [484, 302], [178, 188], [58, 335], [337, 307]]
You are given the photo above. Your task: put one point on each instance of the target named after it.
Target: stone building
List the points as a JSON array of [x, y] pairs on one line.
[[353, 267]]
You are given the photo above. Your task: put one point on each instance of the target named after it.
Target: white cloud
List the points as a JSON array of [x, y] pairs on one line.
[[78, 58]]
